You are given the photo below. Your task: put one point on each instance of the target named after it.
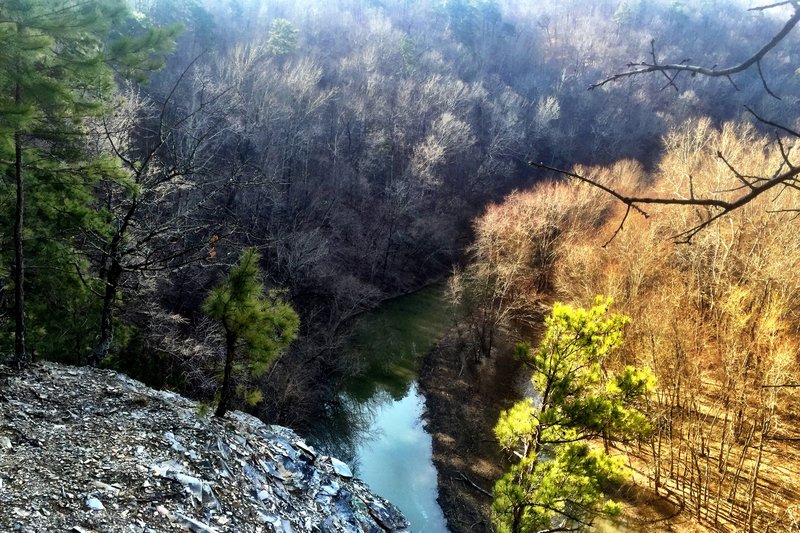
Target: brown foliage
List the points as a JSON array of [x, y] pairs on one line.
[[714, 320]]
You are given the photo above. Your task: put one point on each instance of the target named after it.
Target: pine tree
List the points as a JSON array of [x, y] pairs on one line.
[[257, 326], [58, 61], [558, 482], [282, 38]]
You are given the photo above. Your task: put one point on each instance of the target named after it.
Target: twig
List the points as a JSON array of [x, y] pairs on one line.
[[764, 82], [786, 178], [784, 152], [621, 226], [770, 6], [644, 67], [670, 80], [773, 124], [465, 479], [741, 177], [625, 200]]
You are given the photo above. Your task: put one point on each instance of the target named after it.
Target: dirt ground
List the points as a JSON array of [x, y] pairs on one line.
[[463, 401]]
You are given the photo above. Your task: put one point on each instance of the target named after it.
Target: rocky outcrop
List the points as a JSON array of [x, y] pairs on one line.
[[92, 450]]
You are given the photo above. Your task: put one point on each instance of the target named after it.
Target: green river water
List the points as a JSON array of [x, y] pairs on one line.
[[379, 430]]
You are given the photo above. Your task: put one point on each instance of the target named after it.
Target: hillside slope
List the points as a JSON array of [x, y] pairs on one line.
[[93, 450]]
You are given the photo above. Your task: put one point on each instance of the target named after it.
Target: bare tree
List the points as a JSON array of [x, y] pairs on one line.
[[161, 149]]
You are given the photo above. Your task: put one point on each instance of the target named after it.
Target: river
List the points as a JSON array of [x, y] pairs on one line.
[[379, 429]]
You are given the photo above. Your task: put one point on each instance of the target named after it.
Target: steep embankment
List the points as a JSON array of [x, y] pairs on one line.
[[463, 401], [92, 450]]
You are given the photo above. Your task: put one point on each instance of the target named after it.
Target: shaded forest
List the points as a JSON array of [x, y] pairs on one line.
[[352, 143]]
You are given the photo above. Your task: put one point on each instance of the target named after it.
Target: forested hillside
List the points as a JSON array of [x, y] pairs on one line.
[[148, 152], [714, 320]]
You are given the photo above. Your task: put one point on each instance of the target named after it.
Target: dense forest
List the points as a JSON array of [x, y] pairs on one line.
[[204, 194]]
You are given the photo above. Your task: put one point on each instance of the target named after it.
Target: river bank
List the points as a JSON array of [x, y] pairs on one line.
[[463, 401]]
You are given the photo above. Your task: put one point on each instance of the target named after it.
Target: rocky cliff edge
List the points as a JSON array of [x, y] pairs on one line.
[[93, 450]]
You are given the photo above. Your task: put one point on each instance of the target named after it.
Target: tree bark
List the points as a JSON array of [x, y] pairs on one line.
[[111, 276], [224, 397], [21, 356], [107, 314]]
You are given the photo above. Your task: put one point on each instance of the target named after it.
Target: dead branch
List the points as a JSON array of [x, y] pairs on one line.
[[465, 479], [771, 123], [770, 6], [620, 227], [637, 69], [724, 207], [594, 183]]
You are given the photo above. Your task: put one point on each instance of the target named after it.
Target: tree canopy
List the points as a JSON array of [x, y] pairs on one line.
[[53, 76], [560, 480], [257, 326]]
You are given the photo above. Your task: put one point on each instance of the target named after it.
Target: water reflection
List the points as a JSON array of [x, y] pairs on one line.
[[384, 441], [396, 462], [377, 425], [347, 428]]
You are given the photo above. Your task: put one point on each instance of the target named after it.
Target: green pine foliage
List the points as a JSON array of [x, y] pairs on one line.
[[258, 326], [282, 38], [58, 64], [560, 479]]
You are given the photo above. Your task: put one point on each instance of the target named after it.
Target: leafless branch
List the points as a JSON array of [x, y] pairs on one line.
[[784, 153], [646, 67], [84, 282], [622, 198], [771, 123], [620, 227], [747, 181], [724, 206], [465, 479], [670, 79], [764, 81], [770, 6]]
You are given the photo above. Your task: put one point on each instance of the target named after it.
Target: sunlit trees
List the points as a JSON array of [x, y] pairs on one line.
[[782, 176], [282, 38], [257, 327], [713, 320], [559, 482], [503, 282], [449, 139], [517, 244]]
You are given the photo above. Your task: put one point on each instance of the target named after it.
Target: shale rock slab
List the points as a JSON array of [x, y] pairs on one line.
[[87, 450]]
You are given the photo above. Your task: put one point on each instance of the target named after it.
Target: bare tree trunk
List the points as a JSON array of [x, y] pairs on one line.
[[751, 500], [111, 276], [225, 394], [737, 475], [107, 314], [21, 356]]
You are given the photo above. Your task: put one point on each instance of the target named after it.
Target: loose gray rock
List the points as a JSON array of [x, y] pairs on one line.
[[94, 504], [341, 468], [193, 525], [159, 465]]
